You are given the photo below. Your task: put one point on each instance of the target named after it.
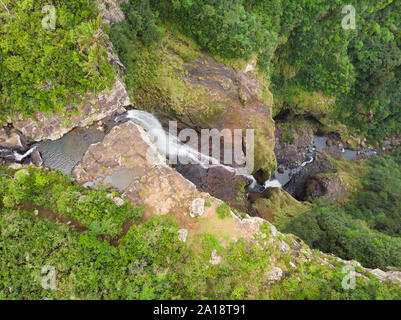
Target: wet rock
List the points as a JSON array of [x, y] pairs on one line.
[[298, 185], [330, 188], [231, 101], [36, 158], [197, 208], [280, 170], [219, 182], [215, 259], [292, 153], [182, 235]]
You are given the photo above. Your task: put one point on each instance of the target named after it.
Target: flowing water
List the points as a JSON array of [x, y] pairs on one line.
[[64, 154], [171, 147]]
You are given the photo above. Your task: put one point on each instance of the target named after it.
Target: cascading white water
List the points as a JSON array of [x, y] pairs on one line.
[[272, 184], [19, 157], [308, 162], [171, 146]]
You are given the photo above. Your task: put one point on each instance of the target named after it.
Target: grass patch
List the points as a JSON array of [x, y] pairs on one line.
[[223, 211]]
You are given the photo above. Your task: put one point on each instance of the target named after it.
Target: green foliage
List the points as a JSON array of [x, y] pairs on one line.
[[331, 229], [94, 209], [223, 211], [41, 69], [359, 68], [366, 229], [324, 284], [131, 39], [378, 202], [223, 27], [150, 263]]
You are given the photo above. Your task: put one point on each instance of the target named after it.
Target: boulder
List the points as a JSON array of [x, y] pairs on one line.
[[11, 139], [121, 161], [292, 154], [297, 187], [219, 182], [36, 158], [327, 187]]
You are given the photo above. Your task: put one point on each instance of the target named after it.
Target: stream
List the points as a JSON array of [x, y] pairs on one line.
[[64, 154]]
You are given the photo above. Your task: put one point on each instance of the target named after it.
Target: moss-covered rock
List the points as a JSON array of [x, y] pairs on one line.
[[178, 81]]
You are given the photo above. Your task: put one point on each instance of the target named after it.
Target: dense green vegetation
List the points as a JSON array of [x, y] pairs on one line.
[[95, 210], [300, 44], [360, 68], [130, 39], [368, 227], [41, 69], [150, 263]]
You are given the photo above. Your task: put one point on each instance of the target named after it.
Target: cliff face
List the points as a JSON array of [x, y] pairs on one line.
[[233, 100], [89, 108], [128, 161], [181, 82], [53, 127]]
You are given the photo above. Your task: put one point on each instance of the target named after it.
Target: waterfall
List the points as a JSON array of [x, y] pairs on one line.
[[171, 146], [19, 157], [311, 159], [272, 184]]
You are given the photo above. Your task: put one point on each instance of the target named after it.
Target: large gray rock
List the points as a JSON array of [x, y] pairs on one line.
[[327, 187], [292, 154], [121, 162], [36, 158], [297, 187]]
